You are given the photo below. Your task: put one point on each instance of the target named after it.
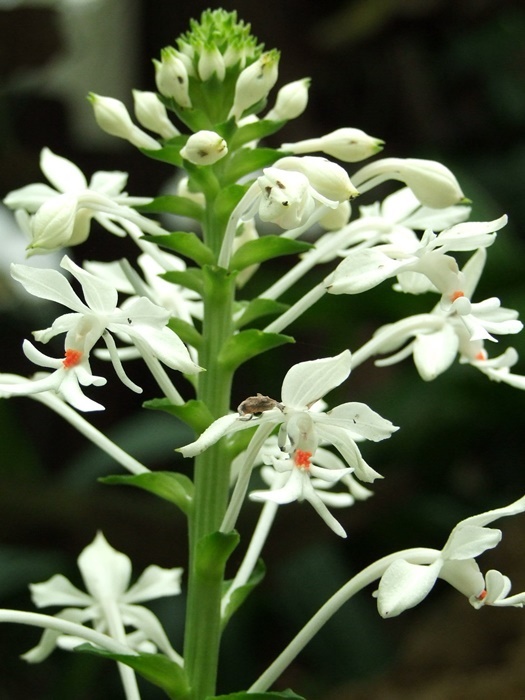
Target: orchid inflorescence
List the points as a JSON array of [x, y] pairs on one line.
[[181, 310]]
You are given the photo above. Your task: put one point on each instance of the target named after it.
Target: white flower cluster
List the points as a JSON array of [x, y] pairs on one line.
[[302, 468]]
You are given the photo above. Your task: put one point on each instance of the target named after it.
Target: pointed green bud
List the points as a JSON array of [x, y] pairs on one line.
[[255, 82], [291, 101], [152, 114], [113, 118], [171, 77]]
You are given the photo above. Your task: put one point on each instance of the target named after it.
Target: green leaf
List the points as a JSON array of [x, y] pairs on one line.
[[190, 278], [226, 201], [173, 204], [240, 594], [185, 243], [284, 695], [254, 132], [155, 668], [212, 553], [194, 413], [265, 248], [173, 487], [186, 332], [249, 160], [259, 307], [249, 343], [169, 153]]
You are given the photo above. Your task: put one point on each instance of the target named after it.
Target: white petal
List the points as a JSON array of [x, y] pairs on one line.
[[30, 197], [73, 395], [362, 270], [149, 625], [471, 234], [468, 541], [49, 640], [100, 296], [108, 183], [435, 352], [341, 440], [491, 515], [307, 382], [222, 426], [464, 575], [292, 490], [497, 586], [47, 284], [317, 502], [61, 173], [58, 590], [105, 571], [166, 346], [404, 585], [359, 419], [154, 582], [472, 271]]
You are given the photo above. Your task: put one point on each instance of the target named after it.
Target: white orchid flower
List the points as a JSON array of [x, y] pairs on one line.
[[364, 269], [138, 322], [60, 215], [298, 478], [300, 427], [435, 339], [404, 585], [71, 373], [180, 301], [109, 603]]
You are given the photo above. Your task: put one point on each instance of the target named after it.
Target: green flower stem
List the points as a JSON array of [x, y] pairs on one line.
[[418, 555], [260, 535], [212, 475], [300, 306]]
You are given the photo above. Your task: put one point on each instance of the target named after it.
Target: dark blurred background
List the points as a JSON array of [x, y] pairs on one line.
[[441, 79]]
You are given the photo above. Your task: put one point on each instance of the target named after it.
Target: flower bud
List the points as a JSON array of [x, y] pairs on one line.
[[328, 179], [255, 82], [347, 144], [152, 114], [204, 148], [431, 182], [113, 118], [211, 63], [291, 101], [171, 77]]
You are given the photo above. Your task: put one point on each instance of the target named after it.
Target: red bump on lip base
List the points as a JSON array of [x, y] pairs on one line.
[[302, 459], [72, 358]]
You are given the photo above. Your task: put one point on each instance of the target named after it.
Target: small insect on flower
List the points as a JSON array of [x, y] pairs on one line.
[[255, 405]]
